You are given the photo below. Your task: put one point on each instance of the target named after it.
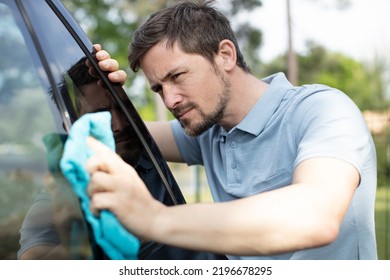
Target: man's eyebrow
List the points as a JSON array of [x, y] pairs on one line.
[[154, 87]]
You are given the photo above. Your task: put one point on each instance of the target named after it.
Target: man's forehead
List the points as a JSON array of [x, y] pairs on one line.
[[160, 53], [160, 61]]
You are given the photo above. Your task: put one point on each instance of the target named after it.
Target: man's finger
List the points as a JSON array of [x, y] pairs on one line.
[[97, 146], [103, 158], [103, 200], [109, 65], [97, 47], [102, 55], [118, 77], [100, 182]]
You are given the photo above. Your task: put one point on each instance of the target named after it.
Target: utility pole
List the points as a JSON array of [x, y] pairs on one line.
[[292, 65]]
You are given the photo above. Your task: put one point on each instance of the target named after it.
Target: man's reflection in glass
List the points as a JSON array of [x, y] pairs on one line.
[[54, 226], [90, 97]]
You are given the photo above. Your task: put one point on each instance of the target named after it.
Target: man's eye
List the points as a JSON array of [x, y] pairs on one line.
[[176, 76], [157, 89], [101, 110]]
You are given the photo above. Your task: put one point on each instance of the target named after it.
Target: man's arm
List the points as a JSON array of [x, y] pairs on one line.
[[163, 135], [306, 214], [46, 252]]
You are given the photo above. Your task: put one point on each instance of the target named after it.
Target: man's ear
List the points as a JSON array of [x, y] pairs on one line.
[[227, 51]]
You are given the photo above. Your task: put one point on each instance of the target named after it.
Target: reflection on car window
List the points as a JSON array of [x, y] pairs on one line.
[[87, 96], [39, 212], [39, 216]]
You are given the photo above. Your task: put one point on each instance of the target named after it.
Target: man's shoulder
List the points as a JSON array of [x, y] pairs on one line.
[[320, 95]]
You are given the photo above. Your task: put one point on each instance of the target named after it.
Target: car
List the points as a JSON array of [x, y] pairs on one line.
[[46, 84]]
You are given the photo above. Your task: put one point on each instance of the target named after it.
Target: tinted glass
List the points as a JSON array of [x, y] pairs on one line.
[[133, 141], [39, 214], [60, 80], [83, 94]]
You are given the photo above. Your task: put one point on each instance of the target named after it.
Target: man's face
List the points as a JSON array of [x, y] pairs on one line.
[[193, 89], [95, 99]]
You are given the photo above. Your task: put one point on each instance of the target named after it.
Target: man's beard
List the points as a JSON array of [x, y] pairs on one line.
[[208, 120], [130, 151]]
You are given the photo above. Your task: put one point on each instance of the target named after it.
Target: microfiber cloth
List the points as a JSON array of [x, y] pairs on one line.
[[112, 237]]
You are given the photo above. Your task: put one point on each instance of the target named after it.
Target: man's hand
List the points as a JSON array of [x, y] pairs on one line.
[[116, 186], [107, 64]]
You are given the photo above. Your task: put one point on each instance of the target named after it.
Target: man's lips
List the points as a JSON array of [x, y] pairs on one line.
[[183, 114], [179, 114], [123, 138]]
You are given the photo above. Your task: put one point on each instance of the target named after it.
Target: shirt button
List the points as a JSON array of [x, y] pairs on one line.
[[234, 165], [233, 144]]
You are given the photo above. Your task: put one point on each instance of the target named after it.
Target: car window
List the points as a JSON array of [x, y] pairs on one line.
[[50, 223], [133, 142], [46, 84], [39, 214]]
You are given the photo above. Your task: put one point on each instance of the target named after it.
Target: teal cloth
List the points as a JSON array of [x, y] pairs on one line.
[[112, 237]]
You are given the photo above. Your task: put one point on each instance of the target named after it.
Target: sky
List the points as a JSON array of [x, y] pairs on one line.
[[361, 31]]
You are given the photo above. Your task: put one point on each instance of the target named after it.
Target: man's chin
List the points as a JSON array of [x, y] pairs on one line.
[[196, 128], [197, 131], [131, 158], [129, 152]]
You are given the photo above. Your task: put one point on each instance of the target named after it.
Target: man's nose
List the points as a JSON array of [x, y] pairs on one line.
[[117, 121], [171, 96]]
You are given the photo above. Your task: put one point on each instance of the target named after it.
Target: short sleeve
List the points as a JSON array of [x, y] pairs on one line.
[[188, 146], [327, 123], [37, 228]]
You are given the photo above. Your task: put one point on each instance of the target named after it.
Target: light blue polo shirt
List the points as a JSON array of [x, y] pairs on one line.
[[285, 127]]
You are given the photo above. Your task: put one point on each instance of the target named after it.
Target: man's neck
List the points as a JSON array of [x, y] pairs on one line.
[[246, 90]]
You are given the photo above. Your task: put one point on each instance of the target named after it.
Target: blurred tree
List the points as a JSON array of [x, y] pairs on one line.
[[112, 23], [249, 37], [16, 57], [362, 82], [291, 57]]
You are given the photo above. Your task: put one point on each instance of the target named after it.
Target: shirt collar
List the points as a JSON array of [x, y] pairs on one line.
[[266, 106]]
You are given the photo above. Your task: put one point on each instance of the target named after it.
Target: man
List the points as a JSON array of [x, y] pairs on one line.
[[292, 169]]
